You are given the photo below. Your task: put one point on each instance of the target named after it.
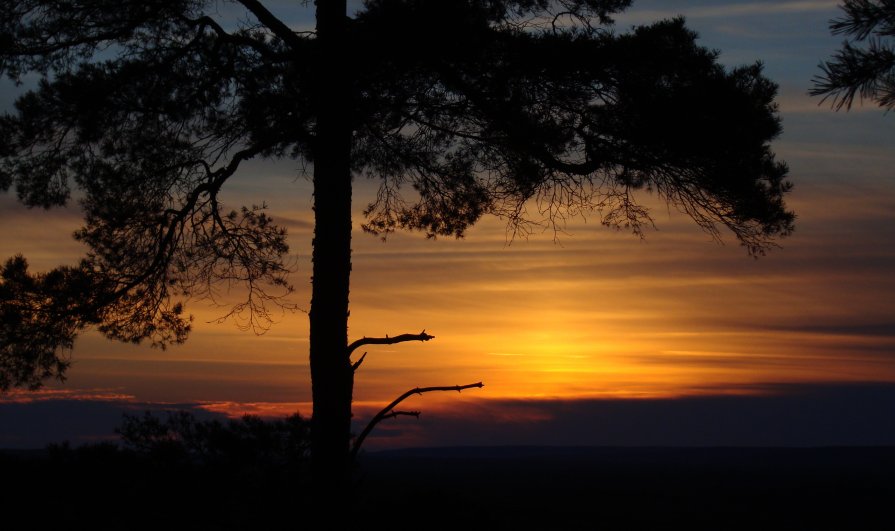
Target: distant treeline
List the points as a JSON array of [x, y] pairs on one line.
[[182, 473]]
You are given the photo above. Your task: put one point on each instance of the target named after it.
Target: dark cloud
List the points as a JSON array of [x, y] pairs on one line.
[[773, 415], [786, 415], [39, 423]]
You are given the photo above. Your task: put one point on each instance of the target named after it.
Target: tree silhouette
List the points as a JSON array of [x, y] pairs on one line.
[[527, 109], [249, 441], [863, 72]]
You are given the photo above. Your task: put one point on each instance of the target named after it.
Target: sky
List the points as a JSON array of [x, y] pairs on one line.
[[589, 336]]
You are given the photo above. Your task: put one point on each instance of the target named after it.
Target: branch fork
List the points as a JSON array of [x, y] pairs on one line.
[[389, 411]]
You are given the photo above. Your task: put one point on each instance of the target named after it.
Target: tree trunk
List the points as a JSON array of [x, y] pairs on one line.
[[332, 378]]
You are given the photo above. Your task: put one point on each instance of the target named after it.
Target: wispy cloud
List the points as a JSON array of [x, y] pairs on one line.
[[762, 8], [728, 10], [261, 409], [19, 396]]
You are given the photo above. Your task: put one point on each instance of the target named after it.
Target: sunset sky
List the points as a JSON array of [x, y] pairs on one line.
[[589, 336]]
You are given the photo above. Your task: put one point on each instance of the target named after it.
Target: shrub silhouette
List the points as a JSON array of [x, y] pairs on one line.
[[167, 472], [249, 441]]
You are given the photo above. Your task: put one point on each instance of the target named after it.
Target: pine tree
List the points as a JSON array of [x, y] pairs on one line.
[[460, 108], [863, 72]]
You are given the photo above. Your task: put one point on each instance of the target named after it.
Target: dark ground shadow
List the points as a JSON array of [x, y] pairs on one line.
[[101, 488], [634, 488]]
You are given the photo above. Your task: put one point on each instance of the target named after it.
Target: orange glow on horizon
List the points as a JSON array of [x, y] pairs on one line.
[[597, 315]]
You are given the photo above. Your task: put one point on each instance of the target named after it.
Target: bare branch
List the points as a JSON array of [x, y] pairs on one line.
[[422, 336], [357, 363], [389, 412]]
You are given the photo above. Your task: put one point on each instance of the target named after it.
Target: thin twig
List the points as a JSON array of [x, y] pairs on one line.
[[357, 363], [394, 414]]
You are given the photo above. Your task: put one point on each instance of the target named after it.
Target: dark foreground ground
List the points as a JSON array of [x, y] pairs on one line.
[[639, 488], [466, 488]]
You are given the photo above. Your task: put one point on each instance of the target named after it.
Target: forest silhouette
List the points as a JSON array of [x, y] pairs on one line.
[[177, 472]]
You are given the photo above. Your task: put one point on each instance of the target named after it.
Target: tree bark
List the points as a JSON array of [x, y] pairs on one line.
[[332, 377]]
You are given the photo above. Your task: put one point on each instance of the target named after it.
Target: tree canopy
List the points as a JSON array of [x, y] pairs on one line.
[[532, 110], [861, 71]]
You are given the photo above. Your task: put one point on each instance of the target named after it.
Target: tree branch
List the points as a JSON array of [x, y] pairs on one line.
[[394, 414], [388, 411], [357, 363], [272, 23], [422, 336], [262, 48], [216, 179]]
